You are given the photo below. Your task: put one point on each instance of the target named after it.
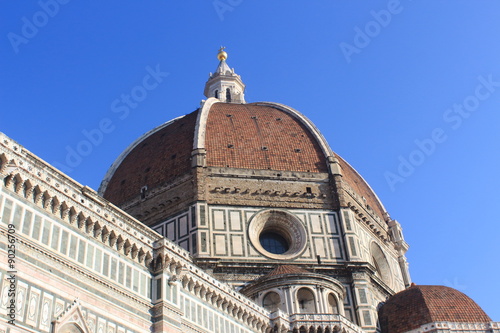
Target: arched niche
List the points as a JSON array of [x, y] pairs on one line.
[[271, 301], [379, 260], [306, 301], [332, 303]]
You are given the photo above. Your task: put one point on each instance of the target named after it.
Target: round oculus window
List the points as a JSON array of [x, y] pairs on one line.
[[273, 242], [277, 234]]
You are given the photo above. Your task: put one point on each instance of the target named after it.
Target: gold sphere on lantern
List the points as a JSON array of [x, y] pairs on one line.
[[222, 55]]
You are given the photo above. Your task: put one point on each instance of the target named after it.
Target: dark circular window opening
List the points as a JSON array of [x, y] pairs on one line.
[[277, 234], [273, 242]]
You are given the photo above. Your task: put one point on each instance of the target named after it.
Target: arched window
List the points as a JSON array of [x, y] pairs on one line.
[[332, 304], [216, 93], [306, 301], [228, 95], [271, 302]]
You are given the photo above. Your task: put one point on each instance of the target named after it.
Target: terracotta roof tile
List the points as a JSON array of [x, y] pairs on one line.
[[286, 269], [361, 187], [247, 136], [158, 159], [419, 305], [260, 137]]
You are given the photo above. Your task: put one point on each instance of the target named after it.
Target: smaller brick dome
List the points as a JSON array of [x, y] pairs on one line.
[[420, 305]]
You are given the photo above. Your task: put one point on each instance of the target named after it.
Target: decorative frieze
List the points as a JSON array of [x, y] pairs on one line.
[[22, 170]]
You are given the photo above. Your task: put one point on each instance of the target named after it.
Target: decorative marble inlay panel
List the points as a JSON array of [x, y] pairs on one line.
[[46, 312], [32, 314]]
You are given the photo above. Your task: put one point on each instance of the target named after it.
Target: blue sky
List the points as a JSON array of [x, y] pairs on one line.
[[406, 91]]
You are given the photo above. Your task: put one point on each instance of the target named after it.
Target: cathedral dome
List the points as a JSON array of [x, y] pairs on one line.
[[247, 187], [160, 156], [248, 139], [420, 305], [258, 136], [242, 136], [254, 136]]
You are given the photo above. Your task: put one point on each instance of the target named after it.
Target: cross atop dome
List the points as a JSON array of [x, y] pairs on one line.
[[224, 84]]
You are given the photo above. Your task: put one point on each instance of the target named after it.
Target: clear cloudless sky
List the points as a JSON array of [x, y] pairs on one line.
[[407, 92]]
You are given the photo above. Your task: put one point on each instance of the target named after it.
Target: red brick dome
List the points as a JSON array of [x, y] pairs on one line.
[[254, 136], [420, 305], [246, 136], [158, 157]]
